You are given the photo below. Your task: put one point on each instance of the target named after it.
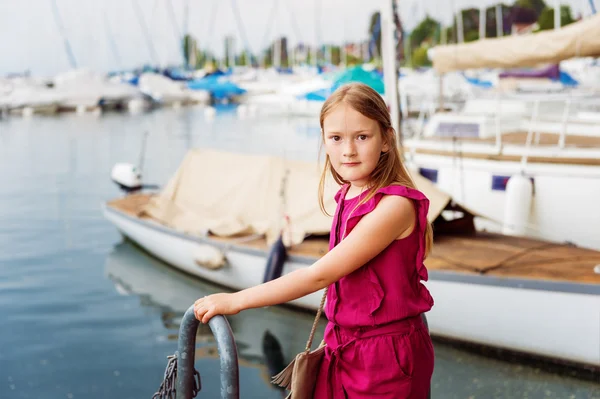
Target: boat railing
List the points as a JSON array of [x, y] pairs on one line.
[[534, 134], [182, 381], [181, 378], [532, 123]]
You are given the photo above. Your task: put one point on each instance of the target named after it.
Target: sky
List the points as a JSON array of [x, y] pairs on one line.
[[30, 38]]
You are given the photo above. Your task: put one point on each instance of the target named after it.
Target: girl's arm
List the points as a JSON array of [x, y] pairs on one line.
[[393, 216]]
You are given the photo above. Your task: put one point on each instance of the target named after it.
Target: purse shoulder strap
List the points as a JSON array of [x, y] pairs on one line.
[[320, 310], [317, 317]]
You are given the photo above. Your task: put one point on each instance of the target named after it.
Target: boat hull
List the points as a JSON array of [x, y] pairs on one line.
[[244, 267], [542, 318], [471, 182]]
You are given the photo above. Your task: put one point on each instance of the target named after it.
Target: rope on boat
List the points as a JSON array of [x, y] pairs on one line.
[[503, 264], [167, 388]]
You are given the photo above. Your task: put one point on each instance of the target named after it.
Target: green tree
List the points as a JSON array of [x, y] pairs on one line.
[[336, 55], [490, 19], [449, 34], [471, 23], [189, 47], [206, 57], [425, 31], [536, 5], [470, 18], [419, 57], [268, 57], [546, 20], [471, 36], [242, 58], [352, 60]]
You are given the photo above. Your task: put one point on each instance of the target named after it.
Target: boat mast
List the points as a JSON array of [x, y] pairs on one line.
[[211, 25], [63, 33], [556, 14], [296, 31], [111, 40], [270, 19], [499, 21], [390, 66], [145, 32], [343, 55], [242, 31], [276, 46], [314, 50], [482, 21], [176, 30], [186, 32]]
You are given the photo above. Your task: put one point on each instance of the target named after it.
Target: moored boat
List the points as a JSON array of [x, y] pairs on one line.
[[220, 214]]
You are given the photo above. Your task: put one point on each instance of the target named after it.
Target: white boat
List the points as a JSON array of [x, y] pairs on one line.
[[501, 291], [245, 265], [564, 194], [551, 135], [287, 99], [25, 96], [165, 91], [83, 90]]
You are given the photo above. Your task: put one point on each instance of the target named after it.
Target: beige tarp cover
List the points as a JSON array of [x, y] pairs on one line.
[[579, 39], [230, 194]]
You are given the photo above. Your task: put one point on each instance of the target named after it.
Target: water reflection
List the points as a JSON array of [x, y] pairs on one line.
[[267, 338]]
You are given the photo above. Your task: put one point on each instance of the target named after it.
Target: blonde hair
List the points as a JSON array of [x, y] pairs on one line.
[[390, 169]]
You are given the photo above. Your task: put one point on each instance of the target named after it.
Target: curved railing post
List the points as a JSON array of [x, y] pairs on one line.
[[230, 380]]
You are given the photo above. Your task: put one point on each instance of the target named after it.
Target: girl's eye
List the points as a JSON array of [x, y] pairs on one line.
[[362, 137], [335, 138]]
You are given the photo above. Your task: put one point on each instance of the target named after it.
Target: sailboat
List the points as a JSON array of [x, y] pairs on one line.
[[551, 137]]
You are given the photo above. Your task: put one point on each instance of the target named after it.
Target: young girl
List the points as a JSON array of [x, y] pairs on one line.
[[377, 344]]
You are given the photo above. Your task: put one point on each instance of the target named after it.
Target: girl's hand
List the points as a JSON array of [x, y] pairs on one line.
[[209, 306]]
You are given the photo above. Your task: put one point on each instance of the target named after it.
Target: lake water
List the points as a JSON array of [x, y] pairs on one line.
[[88, 315]]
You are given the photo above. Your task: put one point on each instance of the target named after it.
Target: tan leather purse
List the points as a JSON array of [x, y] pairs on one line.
[[300, 376]]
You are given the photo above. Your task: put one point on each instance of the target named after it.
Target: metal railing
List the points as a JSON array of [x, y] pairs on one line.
[[187, 387], [230, 378], [570, 102], [181, 380]]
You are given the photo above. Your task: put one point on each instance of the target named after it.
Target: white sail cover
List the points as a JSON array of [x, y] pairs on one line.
[[229, 194], [579, 39]]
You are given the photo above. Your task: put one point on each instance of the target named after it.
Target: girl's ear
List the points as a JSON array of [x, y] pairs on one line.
[[386, 141]]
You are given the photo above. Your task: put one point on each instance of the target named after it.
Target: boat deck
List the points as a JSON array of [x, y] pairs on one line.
[[481, 254], [547, 141], [520, 138]]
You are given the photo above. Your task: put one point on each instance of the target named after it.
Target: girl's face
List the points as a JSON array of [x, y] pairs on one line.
[[354, 144]]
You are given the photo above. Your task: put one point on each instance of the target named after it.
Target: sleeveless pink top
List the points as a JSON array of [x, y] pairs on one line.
[[388, 288]]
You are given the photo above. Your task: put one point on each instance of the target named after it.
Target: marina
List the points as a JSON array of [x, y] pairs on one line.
[[68, 270], [128, 193]]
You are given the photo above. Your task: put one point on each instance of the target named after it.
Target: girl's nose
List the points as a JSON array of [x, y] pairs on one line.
[[349, 149]]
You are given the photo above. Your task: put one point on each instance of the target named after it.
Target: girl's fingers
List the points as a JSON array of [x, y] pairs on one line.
[[207, 316], [202, 311], [198, 312]]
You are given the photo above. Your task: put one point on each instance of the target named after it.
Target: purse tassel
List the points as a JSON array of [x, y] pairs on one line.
[[284, 378]]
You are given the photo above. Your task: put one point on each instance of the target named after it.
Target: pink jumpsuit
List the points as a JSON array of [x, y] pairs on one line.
[[377, 344]]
